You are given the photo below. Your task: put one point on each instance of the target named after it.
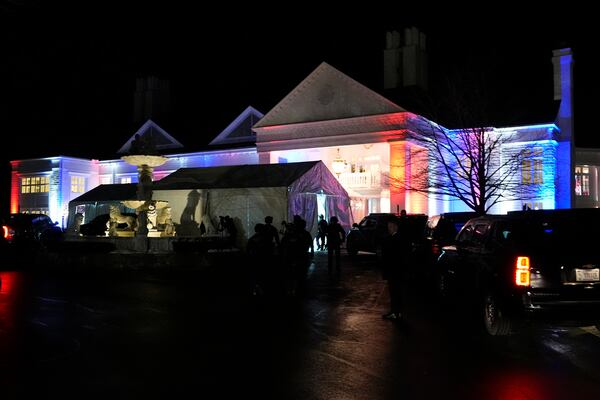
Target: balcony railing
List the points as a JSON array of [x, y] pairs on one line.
[[360, 180]]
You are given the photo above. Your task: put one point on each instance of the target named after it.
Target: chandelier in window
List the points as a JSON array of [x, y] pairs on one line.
[[338, 164]]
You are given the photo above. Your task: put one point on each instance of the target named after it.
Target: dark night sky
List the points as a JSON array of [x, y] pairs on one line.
[[67, 74]]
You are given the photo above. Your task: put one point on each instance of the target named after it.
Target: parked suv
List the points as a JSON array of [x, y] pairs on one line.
[[30, 230], [96, 227], [368, 234], [526, 265]]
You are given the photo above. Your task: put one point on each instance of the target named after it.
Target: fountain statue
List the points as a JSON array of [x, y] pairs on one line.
[[144, 155]]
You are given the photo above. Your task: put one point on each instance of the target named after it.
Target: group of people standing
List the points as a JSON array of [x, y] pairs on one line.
[[330, 236], [282, 263], [286, 260]]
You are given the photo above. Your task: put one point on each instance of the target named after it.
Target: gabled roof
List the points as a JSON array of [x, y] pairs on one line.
[[114, 192], [327, 94], [237, 176], [240, 130], [163, 140]]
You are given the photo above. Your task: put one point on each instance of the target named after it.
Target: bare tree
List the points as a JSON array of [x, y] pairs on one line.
[[479, 165]]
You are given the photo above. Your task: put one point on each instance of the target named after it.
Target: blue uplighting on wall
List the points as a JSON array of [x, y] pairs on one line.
[[546, 191]]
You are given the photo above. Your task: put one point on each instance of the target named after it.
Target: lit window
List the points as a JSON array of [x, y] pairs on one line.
[[532, 166], [77, 184], [126, 180], [105, 180], [464, 167], [533, 206], [526, 167], [35, 184], [538, 171], [25, 182], [44, 211]]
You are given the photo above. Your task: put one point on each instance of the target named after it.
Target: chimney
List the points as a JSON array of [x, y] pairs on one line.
[[391, 61], [151, 99], [405, 59], [562, 61]]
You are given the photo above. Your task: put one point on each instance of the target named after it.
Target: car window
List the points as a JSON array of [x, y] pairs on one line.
[[480, 233], [42, 220], [431, 225], [466, 235], [368, 223], [445, 230], [553, 233]]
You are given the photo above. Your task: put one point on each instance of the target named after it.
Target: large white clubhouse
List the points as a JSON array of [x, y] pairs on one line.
[[357, 133]]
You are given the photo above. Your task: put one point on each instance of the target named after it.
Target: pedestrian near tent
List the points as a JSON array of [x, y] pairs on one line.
[[335, 238], [322, 233], [283, 228], [260, 253], [270, 230], [294, 251], [305, 256], [396, 251]]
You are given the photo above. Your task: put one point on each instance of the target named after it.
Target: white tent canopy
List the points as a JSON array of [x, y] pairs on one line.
[[249, 193], [246, 193]]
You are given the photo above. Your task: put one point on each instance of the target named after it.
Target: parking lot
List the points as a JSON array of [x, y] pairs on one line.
[[200, 331]]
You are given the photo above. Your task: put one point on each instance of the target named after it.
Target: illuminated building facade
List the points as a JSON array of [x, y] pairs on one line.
[[360, 135], [70, 177]]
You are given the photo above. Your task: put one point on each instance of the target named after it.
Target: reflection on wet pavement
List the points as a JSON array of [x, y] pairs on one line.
[[173, 334]]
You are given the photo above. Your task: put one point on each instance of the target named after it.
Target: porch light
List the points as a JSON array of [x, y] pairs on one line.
[[338, 165]]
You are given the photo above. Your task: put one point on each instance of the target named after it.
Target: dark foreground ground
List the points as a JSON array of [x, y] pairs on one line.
[[198, 333]]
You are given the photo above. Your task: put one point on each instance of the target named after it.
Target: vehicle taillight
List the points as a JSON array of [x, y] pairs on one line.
[[522, 271], [435, 249], [7, 232]]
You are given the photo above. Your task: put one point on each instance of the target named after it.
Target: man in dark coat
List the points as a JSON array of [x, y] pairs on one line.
[[294, 249], [396, 249], [270, 230], [322, 233], [335, 237], [260, 253]]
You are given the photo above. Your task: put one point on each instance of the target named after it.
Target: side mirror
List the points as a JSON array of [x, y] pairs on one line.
[[55, 223], [355, 225]]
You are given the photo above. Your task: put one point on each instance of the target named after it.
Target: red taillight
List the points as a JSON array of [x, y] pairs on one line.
[[522, 271], [435, 249], [7, 233]]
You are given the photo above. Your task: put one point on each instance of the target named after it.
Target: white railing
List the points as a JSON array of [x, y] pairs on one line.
[[362, 180]]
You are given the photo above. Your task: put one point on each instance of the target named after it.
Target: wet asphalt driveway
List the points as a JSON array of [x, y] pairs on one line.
[[199, 333]]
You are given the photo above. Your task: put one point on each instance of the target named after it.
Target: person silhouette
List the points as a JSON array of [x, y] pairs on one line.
[[395, 255], [335, 238], [322, 233], [260, 253], [270, 230]]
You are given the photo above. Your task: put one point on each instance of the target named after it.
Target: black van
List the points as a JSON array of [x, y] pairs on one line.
[[368, 234], [527, 265]]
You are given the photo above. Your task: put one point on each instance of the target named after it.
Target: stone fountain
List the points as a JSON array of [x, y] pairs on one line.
[[145, 157]]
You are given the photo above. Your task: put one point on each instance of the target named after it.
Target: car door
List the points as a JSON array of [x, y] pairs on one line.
[[368, 229], [480, 256], [470, 248], [458, 258]]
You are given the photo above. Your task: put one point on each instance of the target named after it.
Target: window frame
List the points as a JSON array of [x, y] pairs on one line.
[[35, 184], [78, 184]]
